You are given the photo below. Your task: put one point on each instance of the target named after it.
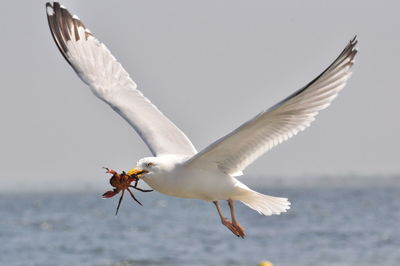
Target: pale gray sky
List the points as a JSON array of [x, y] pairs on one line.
[[209, 66]]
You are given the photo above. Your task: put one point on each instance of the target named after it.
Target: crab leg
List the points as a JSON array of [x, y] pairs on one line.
[[130, 192], [140, 189], [119, 202]]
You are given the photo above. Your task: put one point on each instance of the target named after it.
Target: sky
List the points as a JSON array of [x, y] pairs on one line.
[[209, 66]]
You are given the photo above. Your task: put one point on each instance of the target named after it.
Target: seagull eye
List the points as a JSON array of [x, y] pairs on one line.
[[149, 164]]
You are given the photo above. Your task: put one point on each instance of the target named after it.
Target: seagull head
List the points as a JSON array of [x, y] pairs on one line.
[[146, 166], [156, 166]]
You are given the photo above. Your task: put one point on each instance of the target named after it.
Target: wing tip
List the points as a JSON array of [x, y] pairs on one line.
[[49, 9], [61, 21], [52, 8], [354, 40], [65, 27], [351, 50]]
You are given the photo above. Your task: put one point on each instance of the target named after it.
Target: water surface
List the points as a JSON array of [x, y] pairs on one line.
[[327, 225]]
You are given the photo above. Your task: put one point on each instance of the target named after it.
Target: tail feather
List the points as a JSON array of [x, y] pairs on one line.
[[264, 204]]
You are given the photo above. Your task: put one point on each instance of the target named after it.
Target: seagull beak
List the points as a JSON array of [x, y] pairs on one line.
[[137, 172]]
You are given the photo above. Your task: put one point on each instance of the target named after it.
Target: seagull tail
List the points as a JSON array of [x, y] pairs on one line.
[[264, 204]]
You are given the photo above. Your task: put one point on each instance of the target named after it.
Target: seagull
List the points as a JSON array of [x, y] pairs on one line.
[[177, 168]]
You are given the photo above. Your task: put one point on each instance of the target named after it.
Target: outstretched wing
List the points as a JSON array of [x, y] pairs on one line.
[[234, 152], [109, 81]]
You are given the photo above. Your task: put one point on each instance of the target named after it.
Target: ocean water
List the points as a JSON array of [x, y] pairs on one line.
[[337, 225]]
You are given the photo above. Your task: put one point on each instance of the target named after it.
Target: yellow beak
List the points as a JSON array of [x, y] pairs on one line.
[[137, 172]]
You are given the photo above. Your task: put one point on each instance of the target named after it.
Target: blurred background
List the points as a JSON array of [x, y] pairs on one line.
[[209, 66]]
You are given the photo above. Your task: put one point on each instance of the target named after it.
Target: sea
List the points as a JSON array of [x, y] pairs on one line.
[[332, 221]]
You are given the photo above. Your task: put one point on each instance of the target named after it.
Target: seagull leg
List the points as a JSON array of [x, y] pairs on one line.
[[225, 221], [238, 227]]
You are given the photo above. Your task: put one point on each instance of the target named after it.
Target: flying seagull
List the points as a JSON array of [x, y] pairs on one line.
[[177, 169]]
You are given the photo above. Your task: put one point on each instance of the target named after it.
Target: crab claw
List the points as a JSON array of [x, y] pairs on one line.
[[110, 171], [110, 194]]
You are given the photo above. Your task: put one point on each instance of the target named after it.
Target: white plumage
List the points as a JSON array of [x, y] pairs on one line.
[[177, 169]]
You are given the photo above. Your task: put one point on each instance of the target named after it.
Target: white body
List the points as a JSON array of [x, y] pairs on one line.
[[173, 175], [177, 168], [192, 182]]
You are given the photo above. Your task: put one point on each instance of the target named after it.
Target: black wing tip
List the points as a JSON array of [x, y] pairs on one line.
[[62, 26], [52, 8], [49, 9], [352, 48], [348, 53], [352, 44], [64, 19], [55, 9]]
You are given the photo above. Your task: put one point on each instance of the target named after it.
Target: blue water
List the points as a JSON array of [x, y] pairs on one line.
[[338, 225]]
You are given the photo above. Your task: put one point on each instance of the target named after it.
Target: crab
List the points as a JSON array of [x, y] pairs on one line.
[[122, 182]]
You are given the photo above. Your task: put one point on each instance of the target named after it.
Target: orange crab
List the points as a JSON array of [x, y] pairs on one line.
[[122, 182]]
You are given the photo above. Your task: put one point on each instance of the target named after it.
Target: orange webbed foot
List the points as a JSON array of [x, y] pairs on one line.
[[236, 229], [240, 230]]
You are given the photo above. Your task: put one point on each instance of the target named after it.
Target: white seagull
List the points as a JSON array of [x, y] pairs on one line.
[[177, 169]]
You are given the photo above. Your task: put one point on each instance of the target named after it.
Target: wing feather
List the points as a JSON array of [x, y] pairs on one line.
[[109, 81], [234, 152]]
